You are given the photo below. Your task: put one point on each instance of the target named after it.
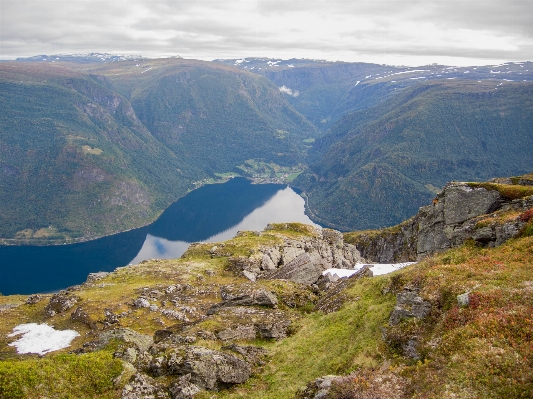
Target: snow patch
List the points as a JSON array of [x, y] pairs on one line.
[[385, 268], [286, 90], [41, 338], [377, 269]]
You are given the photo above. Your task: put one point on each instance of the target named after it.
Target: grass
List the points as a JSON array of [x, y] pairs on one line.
[[61, 376], [338, 342], [510, 191], [483, 350]]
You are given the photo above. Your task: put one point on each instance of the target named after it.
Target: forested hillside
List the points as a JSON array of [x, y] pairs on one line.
[[87, 151], [89, 148], [376, 166]]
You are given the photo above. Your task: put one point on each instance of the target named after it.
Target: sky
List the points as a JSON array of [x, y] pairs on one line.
[[395, 32]]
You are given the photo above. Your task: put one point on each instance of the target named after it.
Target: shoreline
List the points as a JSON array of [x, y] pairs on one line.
[[40, 242]]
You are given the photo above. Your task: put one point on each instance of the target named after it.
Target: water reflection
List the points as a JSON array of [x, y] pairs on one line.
[[284, 206], [211, 213]]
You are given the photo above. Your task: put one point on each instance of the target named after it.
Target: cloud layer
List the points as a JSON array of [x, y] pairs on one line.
[[394, 31]]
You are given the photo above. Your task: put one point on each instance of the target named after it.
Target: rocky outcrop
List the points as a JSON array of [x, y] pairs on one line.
[[208, 369], [60, 303], [461, 212], [301, 260], [409, 304], [245, 323]]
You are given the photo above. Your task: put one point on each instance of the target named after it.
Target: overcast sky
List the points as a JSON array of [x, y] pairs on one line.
[[395, 32]]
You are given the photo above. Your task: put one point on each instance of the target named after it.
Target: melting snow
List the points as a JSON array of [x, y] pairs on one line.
[[41, 338], [378, 269]]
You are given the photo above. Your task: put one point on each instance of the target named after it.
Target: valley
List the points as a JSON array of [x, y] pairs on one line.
[[94, 145]]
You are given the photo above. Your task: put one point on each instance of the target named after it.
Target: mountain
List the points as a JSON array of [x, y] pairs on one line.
[[103, 143], [83, 58], [88, 149], [378, 165], [324, 91]]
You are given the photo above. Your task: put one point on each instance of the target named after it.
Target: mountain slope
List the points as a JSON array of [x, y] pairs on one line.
[[377, 166], [90, 150], [75, 159]]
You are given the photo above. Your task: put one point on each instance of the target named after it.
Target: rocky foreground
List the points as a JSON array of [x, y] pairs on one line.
[[255, 316]]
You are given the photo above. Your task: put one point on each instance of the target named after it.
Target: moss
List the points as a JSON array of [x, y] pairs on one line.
[[292, 229], [509, 191]]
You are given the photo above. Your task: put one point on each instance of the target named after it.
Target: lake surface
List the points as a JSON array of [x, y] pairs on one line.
[[211, 213]]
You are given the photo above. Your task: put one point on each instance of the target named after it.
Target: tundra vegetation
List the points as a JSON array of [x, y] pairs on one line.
[[456, 324]]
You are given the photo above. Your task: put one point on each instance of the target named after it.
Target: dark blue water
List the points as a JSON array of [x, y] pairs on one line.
[[211, 213]]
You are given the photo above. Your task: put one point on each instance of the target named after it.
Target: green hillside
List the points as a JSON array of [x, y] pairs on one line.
[[88, 151], [377, 166]]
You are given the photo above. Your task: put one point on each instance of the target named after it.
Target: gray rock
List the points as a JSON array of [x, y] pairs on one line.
[[409, 304], [249, 275], [267, 263], [141, 303], [92, 277], [275, 330], [33, 299], [252, 354], [324, 282], [409, 349], [463, 299], [140, 341], [183, 388], [60, 302], [242, 263], [244, 295], [463, 202], [208, 369], [142, 386], [242, 332], [302, 269], [449, 222]]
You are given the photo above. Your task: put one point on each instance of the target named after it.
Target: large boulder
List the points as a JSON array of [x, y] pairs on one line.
[[208, 368], [244, 295], [303, 269]]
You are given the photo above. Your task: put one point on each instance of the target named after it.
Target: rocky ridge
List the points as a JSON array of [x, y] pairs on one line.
[[486, 213]]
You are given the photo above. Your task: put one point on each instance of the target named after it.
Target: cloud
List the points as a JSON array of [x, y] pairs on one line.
[[413, 31]]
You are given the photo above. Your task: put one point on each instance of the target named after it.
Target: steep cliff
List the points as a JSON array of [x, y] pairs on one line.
[[486, 213]]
